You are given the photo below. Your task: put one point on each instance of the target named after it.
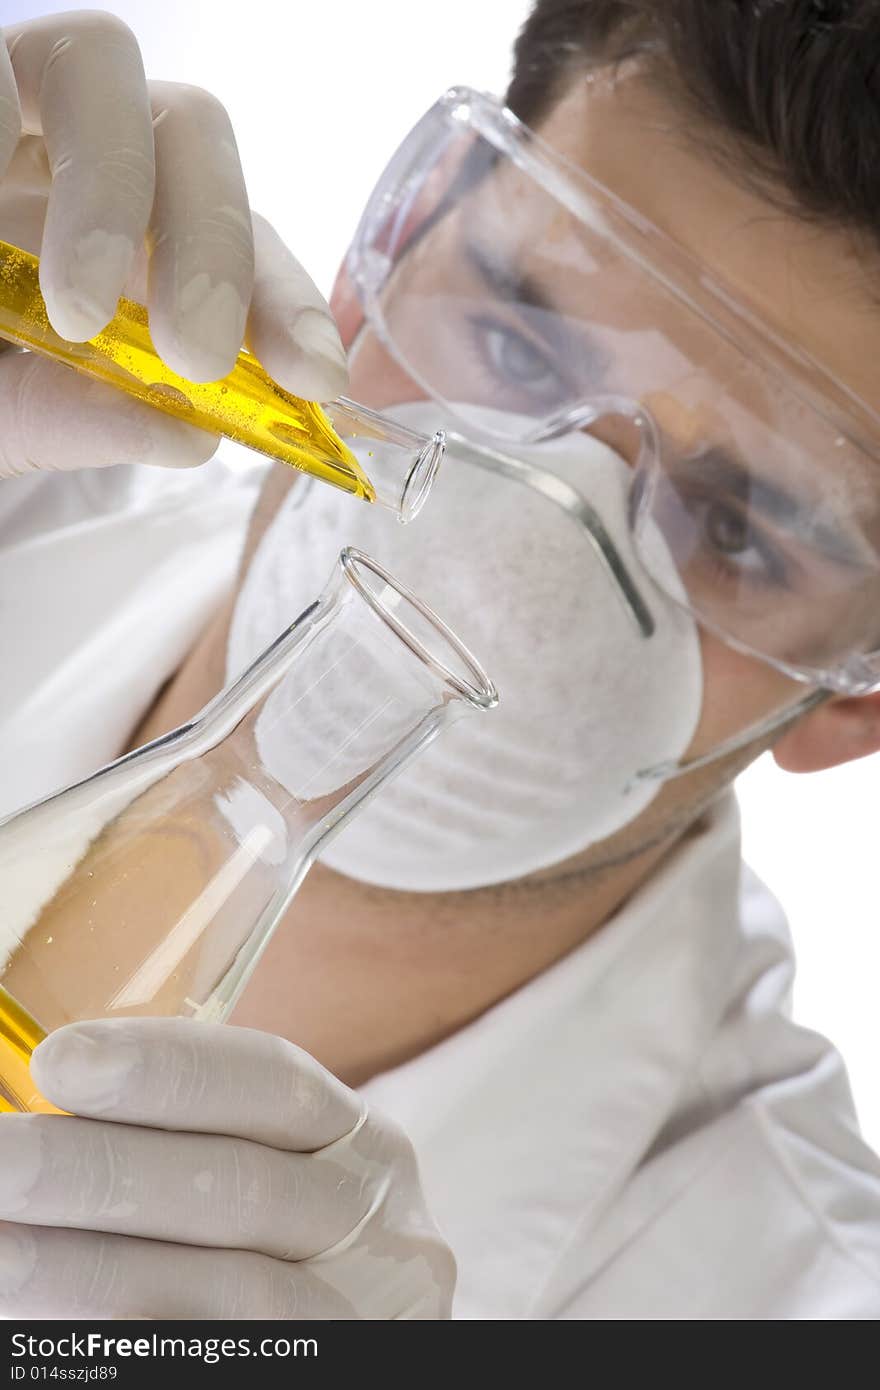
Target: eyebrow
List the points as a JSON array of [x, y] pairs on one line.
[[508, 282], [773, 502]]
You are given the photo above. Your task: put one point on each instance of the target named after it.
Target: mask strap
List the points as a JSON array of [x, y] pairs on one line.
[[668, 771]]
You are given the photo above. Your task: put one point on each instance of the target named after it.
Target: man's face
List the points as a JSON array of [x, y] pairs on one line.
[[808, 284]]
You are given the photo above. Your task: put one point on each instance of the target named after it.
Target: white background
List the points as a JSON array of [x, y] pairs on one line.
[[320, 94]]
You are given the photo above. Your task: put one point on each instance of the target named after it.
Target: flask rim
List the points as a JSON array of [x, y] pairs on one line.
[[470, 682]]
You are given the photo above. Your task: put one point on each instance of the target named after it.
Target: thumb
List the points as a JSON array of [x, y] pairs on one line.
[[55, 419]]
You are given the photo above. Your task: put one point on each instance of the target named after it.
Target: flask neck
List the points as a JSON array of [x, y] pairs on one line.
[[303, 761]]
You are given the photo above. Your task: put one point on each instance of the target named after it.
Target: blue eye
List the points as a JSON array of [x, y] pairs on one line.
[[516, 359], [516, 362]]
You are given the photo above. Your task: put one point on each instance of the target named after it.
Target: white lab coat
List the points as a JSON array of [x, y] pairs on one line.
[[641, 1132]]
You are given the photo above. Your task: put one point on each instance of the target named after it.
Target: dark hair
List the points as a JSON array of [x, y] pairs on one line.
[[792, 87]]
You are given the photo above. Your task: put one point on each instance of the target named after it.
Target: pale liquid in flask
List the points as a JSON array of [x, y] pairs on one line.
[[152, 921]]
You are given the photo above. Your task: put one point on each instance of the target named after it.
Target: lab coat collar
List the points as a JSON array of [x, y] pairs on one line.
[[528, 1122]]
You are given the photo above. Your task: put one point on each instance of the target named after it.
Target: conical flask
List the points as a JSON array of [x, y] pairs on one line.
[[153, 886]]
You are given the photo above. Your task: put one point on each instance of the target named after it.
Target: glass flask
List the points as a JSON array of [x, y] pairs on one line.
[[153, 886]]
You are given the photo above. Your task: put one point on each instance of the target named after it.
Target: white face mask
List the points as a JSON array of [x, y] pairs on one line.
[[586, 701]]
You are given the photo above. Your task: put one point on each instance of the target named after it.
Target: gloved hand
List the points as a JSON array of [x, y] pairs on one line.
[[209, 1171], [97, 165]]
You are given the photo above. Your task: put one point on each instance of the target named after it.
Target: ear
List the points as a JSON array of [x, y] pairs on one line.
[[837, 732]]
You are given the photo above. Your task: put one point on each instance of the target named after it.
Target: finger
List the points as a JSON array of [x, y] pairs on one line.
[[58, 420], [197, 1189], [290, 329], [202, 261], [201, 1077], [24, 194], [10, 110], [23, 212], [46, 1272], [81, 83]]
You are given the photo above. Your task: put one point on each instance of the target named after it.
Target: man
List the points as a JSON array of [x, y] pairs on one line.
[[534, 956]]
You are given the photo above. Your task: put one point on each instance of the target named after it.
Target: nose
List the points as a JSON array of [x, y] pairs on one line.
[[557, 490]]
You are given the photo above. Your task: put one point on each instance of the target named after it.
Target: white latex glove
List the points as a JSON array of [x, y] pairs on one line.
[[209, 1171], [96, 166]]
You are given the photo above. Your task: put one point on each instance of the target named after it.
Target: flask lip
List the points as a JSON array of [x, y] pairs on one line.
[[450, 660]]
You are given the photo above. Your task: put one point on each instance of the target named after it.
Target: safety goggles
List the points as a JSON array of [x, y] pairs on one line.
[[497, 274]]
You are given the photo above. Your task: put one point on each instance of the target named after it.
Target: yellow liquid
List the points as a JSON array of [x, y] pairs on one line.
[[247, 406], [19, 1035]]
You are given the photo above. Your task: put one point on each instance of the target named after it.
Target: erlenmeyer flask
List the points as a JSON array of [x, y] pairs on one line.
[[153, 886]]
